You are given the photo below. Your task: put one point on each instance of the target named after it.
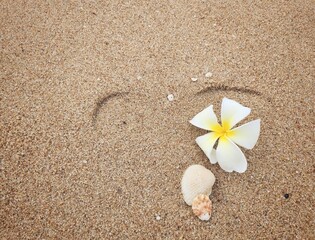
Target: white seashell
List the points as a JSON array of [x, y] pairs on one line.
[[202, 207], [170, 97], [196, 180]]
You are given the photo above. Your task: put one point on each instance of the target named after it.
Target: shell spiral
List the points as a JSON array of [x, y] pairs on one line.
[[202, 207]]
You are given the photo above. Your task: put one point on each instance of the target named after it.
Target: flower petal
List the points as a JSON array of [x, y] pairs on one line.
[[232, 112], [230, 157], [206, 119], [246, 135], [213, 156], [206, 143]]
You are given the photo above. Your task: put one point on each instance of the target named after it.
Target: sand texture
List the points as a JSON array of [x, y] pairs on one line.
[[91, 147]]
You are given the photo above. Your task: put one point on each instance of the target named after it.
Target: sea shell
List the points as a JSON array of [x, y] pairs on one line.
[[196, 180], [202, 207]]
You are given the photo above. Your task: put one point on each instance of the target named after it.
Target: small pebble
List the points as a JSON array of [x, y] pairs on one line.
[[84, 161], [139, 78], [157, 217], [209, 74], [286, 196], [194, 79], [170, 97]]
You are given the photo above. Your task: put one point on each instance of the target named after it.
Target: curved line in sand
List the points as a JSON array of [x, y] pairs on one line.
[[213, 88], [221, 87], [102, 101]]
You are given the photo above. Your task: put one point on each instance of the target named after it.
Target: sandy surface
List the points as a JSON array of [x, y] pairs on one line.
[[91, 148]]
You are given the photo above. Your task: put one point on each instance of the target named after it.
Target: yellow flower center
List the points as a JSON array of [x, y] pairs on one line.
[[223, 131]]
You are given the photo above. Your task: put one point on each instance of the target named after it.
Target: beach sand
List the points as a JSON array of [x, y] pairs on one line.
[[91, 147]]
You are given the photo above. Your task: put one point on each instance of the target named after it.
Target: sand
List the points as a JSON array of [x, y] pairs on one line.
[[91, 147]]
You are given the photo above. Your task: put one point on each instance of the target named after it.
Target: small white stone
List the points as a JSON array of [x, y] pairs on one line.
[[170, 97], [157, 217], [139, 78], [194, 79], [84, 161], [209, 74]]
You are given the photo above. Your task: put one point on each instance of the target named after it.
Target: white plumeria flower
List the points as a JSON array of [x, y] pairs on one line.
[[228, 154]]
